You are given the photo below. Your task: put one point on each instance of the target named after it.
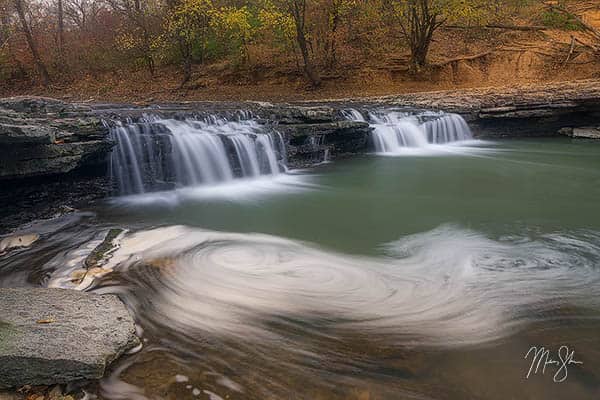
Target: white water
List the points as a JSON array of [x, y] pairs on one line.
[[449, 286], [396, 132], [157, 154], [161, 153]]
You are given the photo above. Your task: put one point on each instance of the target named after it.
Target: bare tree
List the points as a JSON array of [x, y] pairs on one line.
[[418, 20], [19, 6]]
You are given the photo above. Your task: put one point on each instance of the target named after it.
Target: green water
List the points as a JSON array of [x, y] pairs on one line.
[[499, 251], [424, 276], [357, 204]]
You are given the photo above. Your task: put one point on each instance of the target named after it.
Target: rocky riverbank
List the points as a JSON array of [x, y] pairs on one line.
[[533, 110], [45, 137], [55, 154]]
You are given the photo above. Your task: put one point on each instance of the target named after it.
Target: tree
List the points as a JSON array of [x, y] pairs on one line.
[[61, 31], [19, 6], [80, 12], [188, 23], [331, 16], [233, 27], [419, 19], [297, 10], [137, 13]]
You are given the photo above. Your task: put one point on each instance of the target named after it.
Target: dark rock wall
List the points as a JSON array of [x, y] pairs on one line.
[[53, 156], [45, 137]]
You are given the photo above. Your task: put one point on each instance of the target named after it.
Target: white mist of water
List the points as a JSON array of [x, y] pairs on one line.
[[159, 153]]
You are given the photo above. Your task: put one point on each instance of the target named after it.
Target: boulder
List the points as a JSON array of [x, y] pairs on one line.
[[50, 336], [325, 128], [289, 114], [308, 144]]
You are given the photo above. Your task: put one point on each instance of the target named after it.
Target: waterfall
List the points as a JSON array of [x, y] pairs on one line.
[[448, 128], [394, 131], [155, 153], [353, 115]]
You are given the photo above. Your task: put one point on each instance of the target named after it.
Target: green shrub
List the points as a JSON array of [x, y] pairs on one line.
[[560, 20]]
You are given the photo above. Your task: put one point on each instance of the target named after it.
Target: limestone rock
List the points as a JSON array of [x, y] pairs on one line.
[[17, 241], [586, 133], [28, 161], [16, 134], [41, 136], [50, 336]]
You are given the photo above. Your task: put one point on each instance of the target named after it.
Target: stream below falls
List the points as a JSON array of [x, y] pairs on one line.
[[415, 275]]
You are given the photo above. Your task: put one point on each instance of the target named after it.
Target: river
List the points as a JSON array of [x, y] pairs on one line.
[[421, 274]]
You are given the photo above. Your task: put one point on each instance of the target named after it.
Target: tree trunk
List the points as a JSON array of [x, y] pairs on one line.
[[418, 59], [61, 33], [332, 56], [147, 52], [299, 12], [419, 53], [140, 20], [421, 25], [186, 58], [31, 42], [309, 68]]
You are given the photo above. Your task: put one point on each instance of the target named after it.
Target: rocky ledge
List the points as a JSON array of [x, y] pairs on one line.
[[533, 110], [50, 336], [41, 136], [53, 155]]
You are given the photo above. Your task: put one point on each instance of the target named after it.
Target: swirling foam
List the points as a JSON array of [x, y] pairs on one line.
[[449, 286]]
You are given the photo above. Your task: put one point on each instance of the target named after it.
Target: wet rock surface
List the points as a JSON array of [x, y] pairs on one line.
[[50, 336], [22, 201]]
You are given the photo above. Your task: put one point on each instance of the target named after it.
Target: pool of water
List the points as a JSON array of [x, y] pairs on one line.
[[424, 275]]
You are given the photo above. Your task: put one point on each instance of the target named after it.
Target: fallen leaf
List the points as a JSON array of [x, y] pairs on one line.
[[46, 321]]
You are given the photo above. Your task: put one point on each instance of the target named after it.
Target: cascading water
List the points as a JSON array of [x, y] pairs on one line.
[[394, 131], [161, 153], [448, 128]]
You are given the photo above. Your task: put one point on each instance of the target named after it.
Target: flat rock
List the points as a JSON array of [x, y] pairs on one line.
[[586, 133], [50, 336]]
